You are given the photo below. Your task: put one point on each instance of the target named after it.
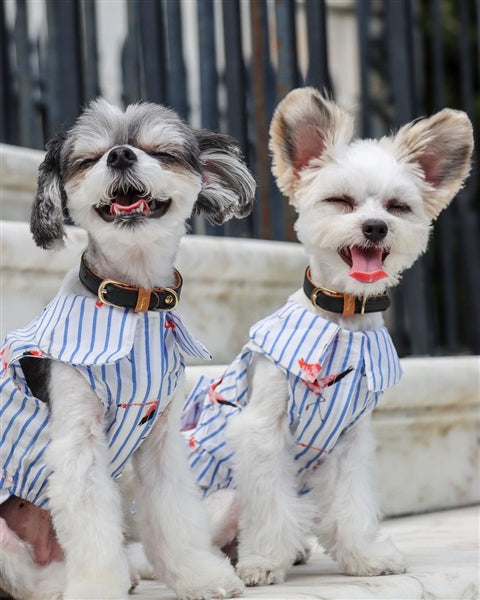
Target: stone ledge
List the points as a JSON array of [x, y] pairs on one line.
[[18, 180], [444, 381], [427, 438], [442, 554], [234, 258]]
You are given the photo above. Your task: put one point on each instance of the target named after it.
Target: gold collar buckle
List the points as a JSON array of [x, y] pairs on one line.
[[102, 291]]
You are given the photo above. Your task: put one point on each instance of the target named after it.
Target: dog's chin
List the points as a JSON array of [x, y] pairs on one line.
[[348, 285], [334, 269], [132, 208]]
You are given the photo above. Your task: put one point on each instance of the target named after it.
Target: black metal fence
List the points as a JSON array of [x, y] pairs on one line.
[[414, 57]]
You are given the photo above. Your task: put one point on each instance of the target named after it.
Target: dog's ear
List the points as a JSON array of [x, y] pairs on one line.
[[47, 217], [305, 128], [440, 149], [228, 188]]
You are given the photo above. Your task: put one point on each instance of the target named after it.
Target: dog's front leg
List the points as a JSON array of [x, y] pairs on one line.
[[84, 501], [349, 517], [173, 521], [274, 520]]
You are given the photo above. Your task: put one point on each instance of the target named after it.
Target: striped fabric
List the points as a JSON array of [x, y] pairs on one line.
[[132, 362], [334, 377]]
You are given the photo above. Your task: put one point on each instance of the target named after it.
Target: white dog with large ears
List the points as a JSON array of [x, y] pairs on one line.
[[98, 377], [282, 444]]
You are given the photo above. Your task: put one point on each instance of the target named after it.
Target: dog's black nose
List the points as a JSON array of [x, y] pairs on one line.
[[121, 157], [374, 229]]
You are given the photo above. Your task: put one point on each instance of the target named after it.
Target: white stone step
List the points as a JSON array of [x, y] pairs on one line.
[[442, 552]]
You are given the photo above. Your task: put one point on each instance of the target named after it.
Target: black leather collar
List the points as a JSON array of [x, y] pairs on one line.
[[344, 304], [122, 295]]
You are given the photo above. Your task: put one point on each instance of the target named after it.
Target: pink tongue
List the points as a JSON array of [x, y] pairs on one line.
[[140, 203], [367, 264]]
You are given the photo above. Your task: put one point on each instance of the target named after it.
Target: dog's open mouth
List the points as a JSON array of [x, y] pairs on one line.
[[366, 263], [132, 206]]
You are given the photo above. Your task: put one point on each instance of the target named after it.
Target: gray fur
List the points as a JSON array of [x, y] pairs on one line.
[[49, 206], [228, 188]]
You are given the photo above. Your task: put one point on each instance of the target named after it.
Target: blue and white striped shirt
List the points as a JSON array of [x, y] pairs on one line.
[[131, 360], [334, 377]]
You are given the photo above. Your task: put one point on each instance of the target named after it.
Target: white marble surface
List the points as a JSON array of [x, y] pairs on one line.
[[427, 429], [443, 559]]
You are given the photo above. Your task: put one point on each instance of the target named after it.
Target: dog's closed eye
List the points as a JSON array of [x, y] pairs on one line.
[[344, 202], [89, 161], [164, 156], [397, 207]]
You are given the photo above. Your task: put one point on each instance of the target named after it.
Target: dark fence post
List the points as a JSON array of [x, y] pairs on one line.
[[363, 13], [176, 74], [318, 74], [236, 90], [235, 74], [28, 131], [207, 50], [468, 217], [268, 220], [131, 77], [8, 119], [64, 92], [414, 292], [152, 49], [91, 87], [288, 76], [447, 221], [208, 68]]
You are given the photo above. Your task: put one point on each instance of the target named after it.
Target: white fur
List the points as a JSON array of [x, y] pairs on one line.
[[372, 176], [314, 160], [85, 503]]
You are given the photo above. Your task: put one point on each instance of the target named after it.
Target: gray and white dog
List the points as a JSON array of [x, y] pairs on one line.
[[98, 377]]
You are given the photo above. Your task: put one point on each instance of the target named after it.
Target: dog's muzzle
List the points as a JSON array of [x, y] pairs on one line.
[[132, 205]]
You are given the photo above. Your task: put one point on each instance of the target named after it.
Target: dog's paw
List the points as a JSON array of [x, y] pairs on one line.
[[210, 584], [227, 589], [380, 558], [303, 556], [140, 567], [260, 573], [216, 593]]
